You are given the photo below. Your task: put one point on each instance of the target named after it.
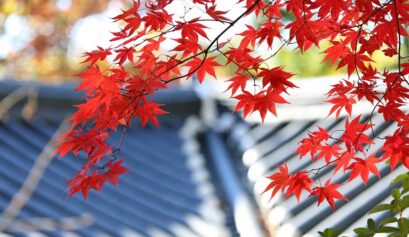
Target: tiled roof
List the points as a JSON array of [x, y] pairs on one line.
[[181, 183], [168, 191], [259, 148]]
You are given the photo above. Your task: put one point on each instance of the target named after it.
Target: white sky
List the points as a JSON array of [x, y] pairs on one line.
[[16, 35]]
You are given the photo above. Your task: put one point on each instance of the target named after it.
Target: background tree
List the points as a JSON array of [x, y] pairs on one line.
[[154, 47], [41, 34]]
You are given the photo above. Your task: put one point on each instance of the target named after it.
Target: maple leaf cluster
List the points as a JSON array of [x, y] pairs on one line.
[[354, 31], [139, 66]]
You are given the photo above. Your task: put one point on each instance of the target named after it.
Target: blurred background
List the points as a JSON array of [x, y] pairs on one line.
[[201, 175], [44, 39]]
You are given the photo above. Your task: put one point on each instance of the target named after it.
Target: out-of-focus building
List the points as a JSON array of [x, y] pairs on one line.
[[200, 174]]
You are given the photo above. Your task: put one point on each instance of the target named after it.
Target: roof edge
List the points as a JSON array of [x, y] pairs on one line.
[[63, 96]]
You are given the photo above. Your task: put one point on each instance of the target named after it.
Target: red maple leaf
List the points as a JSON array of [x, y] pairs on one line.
[[132, 24], [152, 45], [114, 170], [157, 4], [249, 37], [337, 51], [273, 9], [246, 103], [391, 111], [148, 111], [216, 14], [96, 55], [187, 46], [262, 102], [259, 6], [328, 192], [341, 101], [124, 53], [312, 144], [203, 2], [307, 145], [242, 57], [341, 88], [120, 35], [148, 85], [157, 20], [84, 182], [333, 7], [396, 149], [277, 78], [239, 81], [363, 168], [192, 29], [167, 68], [297, 183], [126, 13], [350, 59], [354, 135], [202, 66], [343, 161], [278, 180], [305, 35], [268, 31], [366, 90], [91, 80], [321, 135], [328, 151]]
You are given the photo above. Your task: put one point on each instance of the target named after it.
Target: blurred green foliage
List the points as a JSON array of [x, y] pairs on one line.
[[394, 221], [307, 64]]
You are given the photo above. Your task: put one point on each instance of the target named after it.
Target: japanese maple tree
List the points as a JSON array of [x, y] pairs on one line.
[[353, 31]]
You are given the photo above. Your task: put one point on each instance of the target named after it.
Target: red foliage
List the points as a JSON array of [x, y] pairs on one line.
[[328, 192], [289, 184], [353, 30], [363, 167], [202, 66], [279, 180]]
